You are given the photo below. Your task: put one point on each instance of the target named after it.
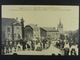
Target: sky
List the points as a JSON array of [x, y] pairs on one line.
[[44, 15]]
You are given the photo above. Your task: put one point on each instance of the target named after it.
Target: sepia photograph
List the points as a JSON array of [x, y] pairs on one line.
[[40, 30]]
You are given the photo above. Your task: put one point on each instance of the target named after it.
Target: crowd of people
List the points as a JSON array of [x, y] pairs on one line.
[[69, 48], [34, 45]]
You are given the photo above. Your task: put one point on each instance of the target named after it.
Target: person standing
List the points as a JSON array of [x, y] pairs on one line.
[[15, 46], [47, 44], [70, 44], [19, 46], [28, 45], [3, 45], [73, 50], [63, 44], [77, 49], [33, 45], [11, 46], [23, 46], [66, 49], [7, 47], [44, 43], [41, 45]]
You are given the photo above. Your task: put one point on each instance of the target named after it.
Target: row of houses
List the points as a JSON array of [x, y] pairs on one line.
[[32, 30], [39, 32], [12, 29]]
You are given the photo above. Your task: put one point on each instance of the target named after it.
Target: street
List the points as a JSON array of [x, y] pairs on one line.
[[50, 51]]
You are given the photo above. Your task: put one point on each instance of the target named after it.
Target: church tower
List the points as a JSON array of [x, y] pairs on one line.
[[60, 27]]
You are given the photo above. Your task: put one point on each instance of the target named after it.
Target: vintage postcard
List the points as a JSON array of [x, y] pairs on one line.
[[40, 30]]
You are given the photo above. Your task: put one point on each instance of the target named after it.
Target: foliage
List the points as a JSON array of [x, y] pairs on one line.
[[62, 37], [74, 36]]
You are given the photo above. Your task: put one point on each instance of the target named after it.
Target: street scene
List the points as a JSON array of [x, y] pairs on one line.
[[40, 30]]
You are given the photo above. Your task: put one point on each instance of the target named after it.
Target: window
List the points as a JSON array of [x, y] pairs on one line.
[[8, 35], [18, 36], [8, 29], [14, 35], [17, 28]]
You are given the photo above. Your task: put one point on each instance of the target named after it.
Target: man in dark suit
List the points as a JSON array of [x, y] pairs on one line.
[[44, 42]]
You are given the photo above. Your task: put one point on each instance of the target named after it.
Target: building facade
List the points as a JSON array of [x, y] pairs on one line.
[[17, 31], [8, 33], [11, 28], [51, 32], [32, 31], [43, 33]]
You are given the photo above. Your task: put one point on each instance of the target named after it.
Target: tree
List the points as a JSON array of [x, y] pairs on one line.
[[74, 36], [62, 37]]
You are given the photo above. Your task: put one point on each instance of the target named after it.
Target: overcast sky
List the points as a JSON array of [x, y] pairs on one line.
[[44, 15]]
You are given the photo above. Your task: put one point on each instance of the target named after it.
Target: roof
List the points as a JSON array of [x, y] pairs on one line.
[[8, 21], [49, 29], [17, 24], [33, 26]]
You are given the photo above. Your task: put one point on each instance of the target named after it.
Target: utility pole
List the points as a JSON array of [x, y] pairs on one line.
[[12, 31], [22, 25]]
